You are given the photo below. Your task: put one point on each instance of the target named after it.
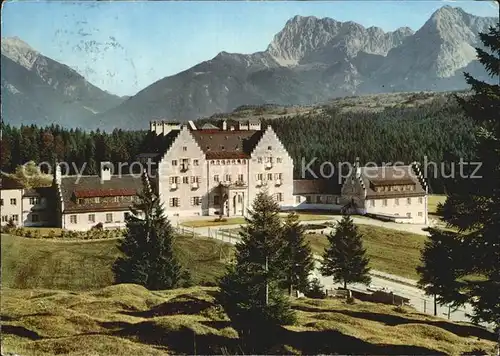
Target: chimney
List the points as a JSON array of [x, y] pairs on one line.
[[57, 174], [106, 171], [224, 125]]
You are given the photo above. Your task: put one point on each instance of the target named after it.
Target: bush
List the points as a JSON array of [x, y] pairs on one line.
[[51, 234], [97, 226], [220, 219], [315, 290]]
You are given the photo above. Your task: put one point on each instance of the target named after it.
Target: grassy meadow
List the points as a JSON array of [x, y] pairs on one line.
[[85, 265], [128, 319], [390, 251]]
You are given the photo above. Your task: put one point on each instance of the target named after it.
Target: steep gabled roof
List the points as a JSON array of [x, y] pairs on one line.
[[222, 144], [391, 176]]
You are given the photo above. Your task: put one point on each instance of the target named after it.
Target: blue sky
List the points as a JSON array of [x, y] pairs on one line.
[[123, 47]]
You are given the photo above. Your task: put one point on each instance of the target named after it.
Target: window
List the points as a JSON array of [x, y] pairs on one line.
[[337, 200], [240, 177], [269, 148], [216, 200], [278, 160], [278, 176], [80, 201], [13, 201], [185, 180], [109, 217], [116, 199], [34, 201], [97, 200], [308, 199], [174, 202], [259, 176], [297, 199], [72, 219], [269, 160], [217, 162], [279, 196], [15, 217], [1, 202], [420, 200], [329, 199], [223, 162], [269, 176], [319, 199], [126, 215], [216, 178], [408, 201], [259, 160], [196, 162], [195, 201], [420, 213], [184, 148], [384, 202], [240, 198], [227, 178], [35, 218], [5, 218], [92, 218], [396, 201], [408, 215], [174, 162], [372, 203]]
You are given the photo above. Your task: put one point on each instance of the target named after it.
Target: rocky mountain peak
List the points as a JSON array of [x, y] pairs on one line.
[[19, 51]]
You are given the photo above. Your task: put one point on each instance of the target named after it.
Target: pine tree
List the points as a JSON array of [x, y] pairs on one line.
[[148, 256], [345, 258], [473, 204], [250, 292], [297, 255]]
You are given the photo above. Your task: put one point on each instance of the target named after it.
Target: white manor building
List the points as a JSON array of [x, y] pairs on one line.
[[214, 171]]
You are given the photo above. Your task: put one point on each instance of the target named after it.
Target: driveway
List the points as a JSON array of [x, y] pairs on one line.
[[401, 286]]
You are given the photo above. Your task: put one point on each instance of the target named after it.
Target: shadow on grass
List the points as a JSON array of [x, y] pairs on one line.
[[20, 331], [334, 342], [393, 320], [183, 304]]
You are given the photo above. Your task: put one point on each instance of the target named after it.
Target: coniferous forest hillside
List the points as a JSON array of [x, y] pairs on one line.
[[437, 130]]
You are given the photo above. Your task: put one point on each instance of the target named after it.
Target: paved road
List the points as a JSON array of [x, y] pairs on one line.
[[401, 286]]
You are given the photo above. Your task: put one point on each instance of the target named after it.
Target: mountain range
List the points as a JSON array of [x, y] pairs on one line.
[[309, 61]]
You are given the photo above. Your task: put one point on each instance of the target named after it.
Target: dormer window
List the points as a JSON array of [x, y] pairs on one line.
[[80, 201], [184, 148], [97, 200], [222, 148]]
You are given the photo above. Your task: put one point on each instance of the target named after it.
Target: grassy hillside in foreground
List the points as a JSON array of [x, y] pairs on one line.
[[129, 319], [390, 251], [85, 265]]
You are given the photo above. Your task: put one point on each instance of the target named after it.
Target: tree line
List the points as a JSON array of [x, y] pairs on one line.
[[438, 130]]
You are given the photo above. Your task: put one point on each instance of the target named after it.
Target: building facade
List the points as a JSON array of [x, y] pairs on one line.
[[396, 193], [11, 201], [220, 171]]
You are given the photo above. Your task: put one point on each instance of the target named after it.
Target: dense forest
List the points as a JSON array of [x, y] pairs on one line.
[[438, 131]]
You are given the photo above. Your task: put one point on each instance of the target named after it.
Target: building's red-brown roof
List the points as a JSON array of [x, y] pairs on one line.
[[74, 187], [221, 144], [7, 183], [93, 193]]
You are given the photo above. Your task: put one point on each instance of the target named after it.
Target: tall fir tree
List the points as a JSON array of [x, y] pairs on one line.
[[473, 203], [250, 292], [148, 256], [345, 258], [297, 255]]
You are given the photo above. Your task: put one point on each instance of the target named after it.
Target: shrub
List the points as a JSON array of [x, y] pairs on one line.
[[51, 234], [315, 290], [97, 226], [26, 234]]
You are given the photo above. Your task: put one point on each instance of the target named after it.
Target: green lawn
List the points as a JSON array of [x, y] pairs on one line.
[[241, 220], [433, 201], [84, 265], [390, 251]]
